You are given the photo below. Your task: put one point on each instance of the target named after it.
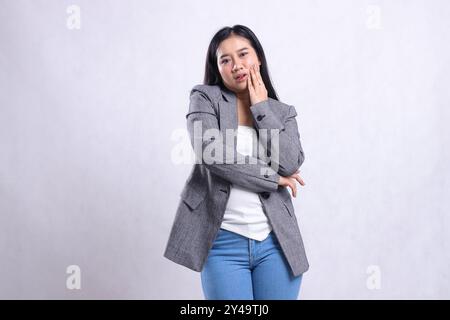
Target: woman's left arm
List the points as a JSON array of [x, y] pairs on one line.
[[286, 154]]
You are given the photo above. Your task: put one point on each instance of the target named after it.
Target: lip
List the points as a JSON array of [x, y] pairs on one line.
[[241, 78]]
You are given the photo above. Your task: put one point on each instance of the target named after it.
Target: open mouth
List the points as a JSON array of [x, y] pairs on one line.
[[241, 78]]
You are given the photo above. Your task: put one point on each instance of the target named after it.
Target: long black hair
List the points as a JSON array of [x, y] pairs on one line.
[[212, 75]]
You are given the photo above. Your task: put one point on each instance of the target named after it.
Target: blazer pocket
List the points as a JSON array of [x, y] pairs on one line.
[[288, 209], [193, 196], [285, 199]]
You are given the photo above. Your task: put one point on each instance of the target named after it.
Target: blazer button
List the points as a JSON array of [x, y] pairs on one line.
[[266, 175], [265, 195], [260, 117], [270, 163], [268, 153]]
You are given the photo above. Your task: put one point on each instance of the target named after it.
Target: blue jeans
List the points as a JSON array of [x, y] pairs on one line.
[[240, 268]]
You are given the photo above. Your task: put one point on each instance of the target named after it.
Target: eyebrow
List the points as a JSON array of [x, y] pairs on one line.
[[226, 54]]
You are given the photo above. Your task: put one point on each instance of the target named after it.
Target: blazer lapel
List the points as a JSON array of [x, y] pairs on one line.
[[228, 111], [228, 119]]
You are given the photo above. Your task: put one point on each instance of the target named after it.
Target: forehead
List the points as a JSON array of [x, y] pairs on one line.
[[232, 44]]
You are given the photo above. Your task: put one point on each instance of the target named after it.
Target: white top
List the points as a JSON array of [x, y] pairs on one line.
[[244, 213]]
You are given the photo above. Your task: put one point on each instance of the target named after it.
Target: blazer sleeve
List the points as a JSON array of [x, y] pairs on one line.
[[252, 174], [286, 153]]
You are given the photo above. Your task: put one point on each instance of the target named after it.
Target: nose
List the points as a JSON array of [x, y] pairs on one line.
[[236, 67]]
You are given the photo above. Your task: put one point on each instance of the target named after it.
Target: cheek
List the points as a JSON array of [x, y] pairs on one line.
[[250, 61], [224, 72]]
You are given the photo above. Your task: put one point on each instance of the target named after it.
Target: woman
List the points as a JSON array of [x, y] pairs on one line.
[[235, 222]]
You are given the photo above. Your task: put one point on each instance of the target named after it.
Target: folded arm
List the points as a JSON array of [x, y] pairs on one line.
[[254, 174], [287, 154]]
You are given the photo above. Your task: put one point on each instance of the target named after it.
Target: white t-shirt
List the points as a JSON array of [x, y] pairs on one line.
[[244, 212]]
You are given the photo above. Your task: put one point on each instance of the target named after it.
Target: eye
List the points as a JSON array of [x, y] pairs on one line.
[[224, 61], [244, 53]]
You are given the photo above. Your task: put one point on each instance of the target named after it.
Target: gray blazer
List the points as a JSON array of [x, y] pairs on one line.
[[205, 193]]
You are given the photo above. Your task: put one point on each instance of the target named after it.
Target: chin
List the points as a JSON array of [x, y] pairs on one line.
[[240, 87], [237, 88]]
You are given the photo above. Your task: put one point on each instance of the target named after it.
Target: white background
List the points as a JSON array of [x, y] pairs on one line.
[[87, 115]]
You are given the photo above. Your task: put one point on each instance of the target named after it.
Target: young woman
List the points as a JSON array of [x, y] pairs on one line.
[[235, 222]]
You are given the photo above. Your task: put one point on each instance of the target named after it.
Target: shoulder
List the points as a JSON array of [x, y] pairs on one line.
[[204, 98], [211, 92]]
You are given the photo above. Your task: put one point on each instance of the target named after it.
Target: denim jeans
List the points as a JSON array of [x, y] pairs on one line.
[[246, 269]]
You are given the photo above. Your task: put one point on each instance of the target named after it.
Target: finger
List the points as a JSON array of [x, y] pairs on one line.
[[253, 74], [303, 182], [291, 185], [250, 85], [299, 179], [250, 79], [292, 189], [295, 190], [258, 74]]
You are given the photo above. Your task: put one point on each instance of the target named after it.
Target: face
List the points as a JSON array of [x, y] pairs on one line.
[[235, 56]]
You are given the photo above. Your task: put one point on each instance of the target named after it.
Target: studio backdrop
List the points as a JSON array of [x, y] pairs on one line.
[[94, 149]]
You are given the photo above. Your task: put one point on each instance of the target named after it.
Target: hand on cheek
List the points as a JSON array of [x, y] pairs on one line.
[[257, 89]]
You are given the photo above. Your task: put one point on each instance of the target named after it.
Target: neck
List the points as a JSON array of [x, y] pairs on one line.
[[243, 98]]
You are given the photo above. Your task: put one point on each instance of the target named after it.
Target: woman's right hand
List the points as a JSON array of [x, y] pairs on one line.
[[290, 182]]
